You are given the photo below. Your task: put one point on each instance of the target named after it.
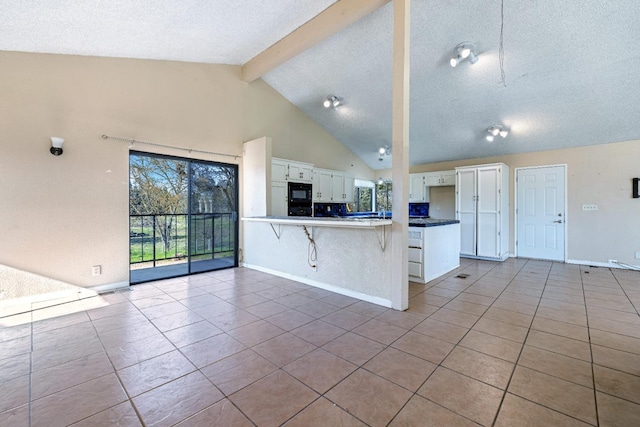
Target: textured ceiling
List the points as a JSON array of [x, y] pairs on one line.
[[572, 68]]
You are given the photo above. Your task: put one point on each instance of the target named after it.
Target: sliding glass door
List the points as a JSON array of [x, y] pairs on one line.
[[182, 216]]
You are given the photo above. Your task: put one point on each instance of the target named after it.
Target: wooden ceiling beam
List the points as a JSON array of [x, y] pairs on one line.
[[330, 21]]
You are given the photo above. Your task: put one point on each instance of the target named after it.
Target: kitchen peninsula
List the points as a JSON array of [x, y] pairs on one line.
[[349, 256]]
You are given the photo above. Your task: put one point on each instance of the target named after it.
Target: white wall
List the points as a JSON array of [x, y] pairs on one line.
[[599, 174], [61, 215]]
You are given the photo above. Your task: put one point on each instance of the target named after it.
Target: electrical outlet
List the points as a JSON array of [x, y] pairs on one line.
[[637, 255], [96, 270], [613, 261], [437, 207], [589, 207]]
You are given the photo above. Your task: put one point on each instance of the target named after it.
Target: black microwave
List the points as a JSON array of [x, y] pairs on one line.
[[300, 193]]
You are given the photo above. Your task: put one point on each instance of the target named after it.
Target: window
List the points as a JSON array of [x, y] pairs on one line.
[[363, 197], [384, 196]]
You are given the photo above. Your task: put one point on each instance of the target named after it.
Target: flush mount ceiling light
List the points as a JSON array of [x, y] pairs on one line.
[[496, 130], [56, 145], [332, 101], [384, 150], [464, 50]]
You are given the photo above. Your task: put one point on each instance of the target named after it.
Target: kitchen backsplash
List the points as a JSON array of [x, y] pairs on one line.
[[419, 209], [329, 209]]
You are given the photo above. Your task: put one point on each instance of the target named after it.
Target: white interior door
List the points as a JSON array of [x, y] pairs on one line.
[[541, 213]]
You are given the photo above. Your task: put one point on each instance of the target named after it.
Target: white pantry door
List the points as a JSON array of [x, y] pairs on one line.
[[541, 222]]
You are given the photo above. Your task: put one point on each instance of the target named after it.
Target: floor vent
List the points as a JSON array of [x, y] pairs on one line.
[[462, 276], [106, 293]]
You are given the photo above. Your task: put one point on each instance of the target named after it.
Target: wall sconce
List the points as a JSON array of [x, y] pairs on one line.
[[496, 130], [332, 101], [56, 145], [464, 50]]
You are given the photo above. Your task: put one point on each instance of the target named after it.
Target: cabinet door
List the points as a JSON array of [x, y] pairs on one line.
[[349, 188], [448, 178], [488, 211], [466, 209], [337, 186], [432, 179], [307, 172], [279, 198], [416, 187], [279, 170], [300, 172], [324, 186]]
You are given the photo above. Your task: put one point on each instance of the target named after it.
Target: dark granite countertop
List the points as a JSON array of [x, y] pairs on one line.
[[430, 222]]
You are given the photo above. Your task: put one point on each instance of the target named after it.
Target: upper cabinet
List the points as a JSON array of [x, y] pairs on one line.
[[288, 170], [322, 186], [442, 178], [417, 188], [332, 186]]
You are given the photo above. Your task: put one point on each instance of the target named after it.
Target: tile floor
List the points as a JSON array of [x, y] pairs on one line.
[[516, 343]]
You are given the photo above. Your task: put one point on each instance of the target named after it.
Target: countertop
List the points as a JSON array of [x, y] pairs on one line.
[[430, 222], [351, 222]]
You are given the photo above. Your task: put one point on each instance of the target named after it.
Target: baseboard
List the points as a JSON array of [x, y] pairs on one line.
[[595, 263], [338, 290], [110, 287]]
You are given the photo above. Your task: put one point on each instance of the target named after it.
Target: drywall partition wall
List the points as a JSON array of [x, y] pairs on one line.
[[598, 174], [59, 216]]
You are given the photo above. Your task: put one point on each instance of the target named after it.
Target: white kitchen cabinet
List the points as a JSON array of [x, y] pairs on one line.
[[342, 187], [417, 190], [288, 170], [349, 188], [300, 172], [322, 185], [482, 207], [278, 198], [438, 179], [433, 251]]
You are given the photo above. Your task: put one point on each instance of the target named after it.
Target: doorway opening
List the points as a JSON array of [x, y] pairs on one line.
[[183, 216]]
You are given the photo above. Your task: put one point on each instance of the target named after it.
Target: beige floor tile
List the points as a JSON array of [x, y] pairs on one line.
[[14, 367], [60, 377], [152, 373], [15, 417], [619, 316], [558, 365], [421, 309], [255, 333], [431, 299], [222, 413], [616, 359], [568, 330], [455, 317], [354, 348], [516, 411], [381, 331], [425, 347], [475, 299], [78, 402], [290, 319], [238, 370], [492, 345], [616, 341], [193, 333], [318, 332], [173, 321], [121, 415], [518, 319], [610, 325], [572, 317], [126, 355], [558, 344], [323, 413], [266, 309], [441, 330], [501, 329], [401, 368], [401, 319], [479, 366], [212, 349], [617, 412], [173, 402], [284, 349], [14, 393], [555, 393], [369, 397], [465, 396], [617, 383], [466, 307], [263, 400], [367, 309], [422, 412], [320, 370], [151, 301], [318, 309]]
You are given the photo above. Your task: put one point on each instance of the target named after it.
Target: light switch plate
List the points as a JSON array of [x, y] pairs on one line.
[[589, 207]]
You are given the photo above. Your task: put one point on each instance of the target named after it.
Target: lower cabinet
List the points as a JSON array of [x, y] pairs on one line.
[[433, 251]]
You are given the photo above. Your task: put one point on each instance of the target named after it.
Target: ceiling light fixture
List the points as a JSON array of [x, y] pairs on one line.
[[384, 150], [464, 50], [496, 130], [56, 145], [332, 101]]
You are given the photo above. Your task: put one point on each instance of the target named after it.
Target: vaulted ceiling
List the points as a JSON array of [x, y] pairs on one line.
[[569, 76]]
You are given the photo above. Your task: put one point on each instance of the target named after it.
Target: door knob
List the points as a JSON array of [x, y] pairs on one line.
[[558, 221]]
